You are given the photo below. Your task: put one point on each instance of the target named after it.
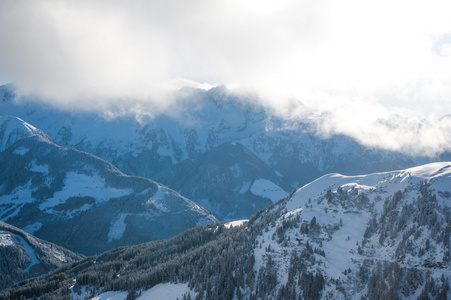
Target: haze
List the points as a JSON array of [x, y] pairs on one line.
[[379, 71]]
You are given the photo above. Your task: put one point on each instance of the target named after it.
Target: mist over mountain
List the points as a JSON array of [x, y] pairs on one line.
[[285, 153], [336, 237], [377, 236], [218, 149], [80, 201]]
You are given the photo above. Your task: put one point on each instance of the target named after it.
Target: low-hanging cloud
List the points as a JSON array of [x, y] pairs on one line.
[[378, 127], [379, 71]]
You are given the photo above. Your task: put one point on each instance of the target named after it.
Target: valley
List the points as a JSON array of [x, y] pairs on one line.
[[150, 202]]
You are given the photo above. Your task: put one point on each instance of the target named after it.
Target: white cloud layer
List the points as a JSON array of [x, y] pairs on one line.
[[359, 61]]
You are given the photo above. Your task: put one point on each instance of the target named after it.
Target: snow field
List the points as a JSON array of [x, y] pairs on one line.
[[84, 185], [341, 248], [267, 189], [18, 197], [117, 229], [162, 291], [21, 151], [167, 291], [234, 223]]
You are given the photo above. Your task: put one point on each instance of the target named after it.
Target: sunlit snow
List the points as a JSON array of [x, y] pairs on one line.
[[167, 291], [268, 189], [235, 223], [341, 251], [6, 239]]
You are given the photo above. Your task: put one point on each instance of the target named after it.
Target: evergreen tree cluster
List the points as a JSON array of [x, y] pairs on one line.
[[219, 263], [390, 281], [407, 222]]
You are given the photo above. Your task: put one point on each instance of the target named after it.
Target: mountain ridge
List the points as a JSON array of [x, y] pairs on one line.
[[75, 199], [156, 146], [378, 236], [24, 256]]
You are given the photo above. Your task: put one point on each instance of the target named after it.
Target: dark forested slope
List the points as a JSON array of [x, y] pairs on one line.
[[378, 236]]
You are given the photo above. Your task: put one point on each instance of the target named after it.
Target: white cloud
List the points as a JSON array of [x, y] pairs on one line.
[[359, 61]]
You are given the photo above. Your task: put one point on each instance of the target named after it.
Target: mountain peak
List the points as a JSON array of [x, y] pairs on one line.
[[13, 129]]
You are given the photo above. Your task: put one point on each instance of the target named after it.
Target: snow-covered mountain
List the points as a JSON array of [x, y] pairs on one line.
[[79, 201], [378, 236], [236, 181], [166, 148], [14, 129], [23, 256]]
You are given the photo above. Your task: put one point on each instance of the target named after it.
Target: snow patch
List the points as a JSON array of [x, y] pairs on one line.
[[6, 239], [429, 171], [44, 169], [118, 228], [161, 291], [111, 296], [267, 189], [157, 200], [292, 213], [168, 291], [235, 223], [21, 150], [19, 196], [82, 185], [59, 256], [32, 228], [340, 251], [236, 170], [245, 187]]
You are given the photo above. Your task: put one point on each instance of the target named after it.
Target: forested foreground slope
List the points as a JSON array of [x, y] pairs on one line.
[[23, 256], [377, 236]]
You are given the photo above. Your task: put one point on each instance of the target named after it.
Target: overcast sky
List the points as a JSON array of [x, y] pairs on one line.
[[370, 66]]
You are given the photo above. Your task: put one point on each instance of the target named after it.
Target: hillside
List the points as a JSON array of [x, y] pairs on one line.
[[23, 256], [378, 236], [288, 153], [238, 184], [81, 202]]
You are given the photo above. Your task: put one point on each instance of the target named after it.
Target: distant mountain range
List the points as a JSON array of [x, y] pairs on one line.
[[378, 236], [227, 144], [82, 202], [63, 178]]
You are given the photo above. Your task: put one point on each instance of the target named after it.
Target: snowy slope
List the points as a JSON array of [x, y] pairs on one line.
[[161, 291], [229, 180], [358, 226], [75, 199], [23, 256], [377, 236], [12, 129], [164, 148]]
